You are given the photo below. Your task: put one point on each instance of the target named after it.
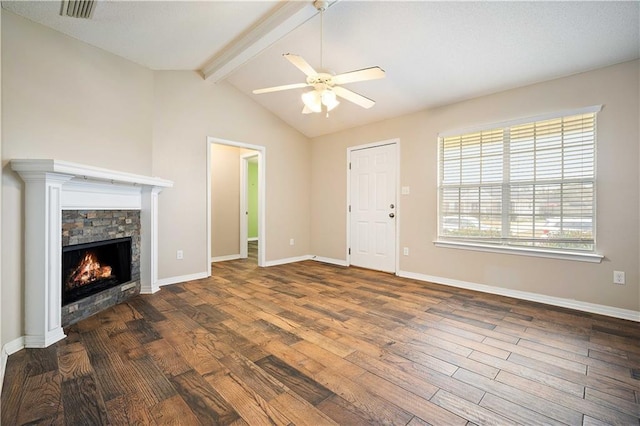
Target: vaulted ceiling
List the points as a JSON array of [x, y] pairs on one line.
[[434, 53]]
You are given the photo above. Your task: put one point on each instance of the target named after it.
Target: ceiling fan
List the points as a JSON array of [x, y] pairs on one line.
[[326, 86]]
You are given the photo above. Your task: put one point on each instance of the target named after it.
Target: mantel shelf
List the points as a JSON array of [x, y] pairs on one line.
[[83, 171]]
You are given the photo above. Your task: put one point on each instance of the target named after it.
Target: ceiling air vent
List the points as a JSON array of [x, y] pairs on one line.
[[78, 8]]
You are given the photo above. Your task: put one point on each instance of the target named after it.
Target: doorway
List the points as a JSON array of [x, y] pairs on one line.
[[217, 209], [373, 206], [249, 188]]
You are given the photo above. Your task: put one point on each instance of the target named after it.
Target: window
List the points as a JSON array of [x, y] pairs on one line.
[[527, 184]]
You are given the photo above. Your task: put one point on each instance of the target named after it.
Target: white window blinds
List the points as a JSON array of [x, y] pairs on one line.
[[521, 184]]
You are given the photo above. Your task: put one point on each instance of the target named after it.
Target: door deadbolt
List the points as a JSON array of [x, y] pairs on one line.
[[391, 215], [391, 206]]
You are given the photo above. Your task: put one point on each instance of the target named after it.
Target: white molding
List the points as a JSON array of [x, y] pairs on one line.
[[288, 260], [181, 279], [13, 346], [43, 254], [593, 308], [522, 251], [91, 195], [8, 349], [225, 258], [338, 262], [85, 172], [149, 240]]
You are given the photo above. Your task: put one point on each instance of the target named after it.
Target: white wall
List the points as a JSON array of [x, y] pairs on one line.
[[617, 189], [66, 100]]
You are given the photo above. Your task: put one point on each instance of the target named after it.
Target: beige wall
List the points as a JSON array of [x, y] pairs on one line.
[[188, 110], [617, 188], [66, 100], [225, 200]]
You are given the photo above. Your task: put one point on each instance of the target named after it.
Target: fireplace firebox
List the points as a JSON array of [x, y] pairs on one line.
[[90, 268]]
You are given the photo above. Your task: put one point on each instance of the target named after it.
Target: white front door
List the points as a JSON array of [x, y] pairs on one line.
[[373, 207]]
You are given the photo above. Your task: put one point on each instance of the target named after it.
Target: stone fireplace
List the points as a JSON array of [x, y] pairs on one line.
[[100, 260], [59, 192]]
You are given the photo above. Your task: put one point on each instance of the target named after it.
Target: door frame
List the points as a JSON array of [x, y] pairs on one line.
[[244, 201], [396, 142], [262, 182]]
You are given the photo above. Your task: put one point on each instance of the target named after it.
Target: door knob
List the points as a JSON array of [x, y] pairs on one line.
[[391, 215]]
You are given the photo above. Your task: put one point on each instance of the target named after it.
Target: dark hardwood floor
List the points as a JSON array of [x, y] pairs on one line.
[[309, 343]]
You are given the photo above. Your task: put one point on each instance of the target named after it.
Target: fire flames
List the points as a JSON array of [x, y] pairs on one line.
[[87, 271]]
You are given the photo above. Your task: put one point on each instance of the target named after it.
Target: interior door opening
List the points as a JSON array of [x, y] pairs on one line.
[[227, 200], [249, 188]]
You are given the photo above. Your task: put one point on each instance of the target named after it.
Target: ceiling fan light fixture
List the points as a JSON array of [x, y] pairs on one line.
[[329, 99], [312, 100]]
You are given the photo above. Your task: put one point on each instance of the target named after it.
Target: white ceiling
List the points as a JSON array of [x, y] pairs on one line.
[[434, 53]]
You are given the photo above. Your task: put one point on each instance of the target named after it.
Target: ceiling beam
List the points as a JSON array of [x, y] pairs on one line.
[[284, 19]]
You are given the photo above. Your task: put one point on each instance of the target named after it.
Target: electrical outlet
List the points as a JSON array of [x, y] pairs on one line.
[[405, 251], [618, 277], [179, 255], [291, 242]]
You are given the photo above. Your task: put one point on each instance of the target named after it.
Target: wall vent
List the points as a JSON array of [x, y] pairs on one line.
[[78, 8]]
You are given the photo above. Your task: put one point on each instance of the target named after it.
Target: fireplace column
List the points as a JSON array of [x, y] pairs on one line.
[[149, 240], [43, 233]]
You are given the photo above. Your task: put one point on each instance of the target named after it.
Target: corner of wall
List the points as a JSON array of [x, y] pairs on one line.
[[9, 349]]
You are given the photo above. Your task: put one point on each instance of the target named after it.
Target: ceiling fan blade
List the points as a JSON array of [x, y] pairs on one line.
[[301, 64], [278, 88], [306, 110], [357, 99], [359, 75]]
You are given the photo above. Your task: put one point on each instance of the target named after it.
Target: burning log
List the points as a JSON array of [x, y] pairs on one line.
[[87, 271]]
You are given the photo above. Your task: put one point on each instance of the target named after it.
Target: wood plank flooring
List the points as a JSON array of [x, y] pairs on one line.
[[313, 344]]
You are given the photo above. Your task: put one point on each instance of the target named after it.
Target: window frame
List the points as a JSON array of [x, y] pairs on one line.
[[546, 252]]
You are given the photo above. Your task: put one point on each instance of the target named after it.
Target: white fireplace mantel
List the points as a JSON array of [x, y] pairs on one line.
[[52, 186]]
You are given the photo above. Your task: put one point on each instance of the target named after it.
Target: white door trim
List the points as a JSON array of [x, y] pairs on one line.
[[396, 142], [262, 181]]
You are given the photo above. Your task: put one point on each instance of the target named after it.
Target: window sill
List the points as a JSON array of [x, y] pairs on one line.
[[523, 251]]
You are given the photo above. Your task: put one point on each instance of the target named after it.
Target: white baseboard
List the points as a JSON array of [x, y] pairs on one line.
[[593, 308], [338, 262], [225, 258], [9, 348], [252, 239], [288, 260], [182, 278]]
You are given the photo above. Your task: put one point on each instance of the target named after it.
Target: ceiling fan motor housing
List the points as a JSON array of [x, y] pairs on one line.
[[321, 5], [320, 81]]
